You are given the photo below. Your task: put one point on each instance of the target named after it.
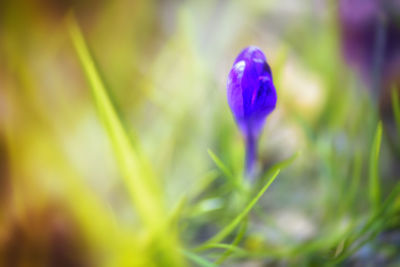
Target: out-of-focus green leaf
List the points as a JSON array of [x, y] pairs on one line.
[[197, 259], [227, 247], [225, 170], [374, 184], [278, 166], [140, 183], [232, 247], [396, 108], [146, 199]]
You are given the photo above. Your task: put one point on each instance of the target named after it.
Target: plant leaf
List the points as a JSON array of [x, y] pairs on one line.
[[396, 107], [197, 259], [374, 185], [225, 170], [278, 166], [139, 181], [232, 247], [145, 198]]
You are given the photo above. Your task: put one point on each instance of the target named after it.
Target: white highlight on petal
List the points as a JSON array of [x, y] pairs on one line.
[[240, 65], [258, 60]]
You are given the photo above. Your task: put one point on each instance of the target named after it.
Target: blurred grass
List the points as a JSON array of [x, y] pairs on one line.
[[222, 234], [142, 188], [396, 107], [144, 195], [374, 177]]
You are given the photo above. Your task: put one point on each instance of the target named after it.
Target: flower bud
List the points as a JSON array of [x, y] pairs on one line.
[[251, 97]]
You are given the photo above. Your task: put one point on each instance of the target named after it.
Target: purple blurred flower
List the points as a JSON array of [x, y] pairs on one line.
[[251, 97], [370, 32]]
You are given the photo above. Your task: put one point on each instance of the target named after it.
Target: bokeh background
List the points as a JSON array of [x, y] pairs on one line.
[[334, 134]]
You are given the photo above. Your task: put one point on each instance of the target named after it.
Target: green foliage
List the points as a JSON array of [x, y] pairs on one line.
[[197, 259], [396, 107], [222, 234], [374, 183], [143, 189]]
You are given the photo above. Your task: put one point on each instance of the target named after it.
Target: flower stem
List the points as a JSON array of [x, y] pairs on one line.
[[251, 155]]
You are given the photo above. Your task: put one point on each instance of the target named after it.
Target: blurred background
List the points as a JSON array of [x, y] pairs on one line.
[[336, 68]]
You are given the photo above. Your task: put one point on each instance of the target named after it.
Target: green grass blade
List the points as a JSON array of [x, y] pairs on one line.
[[225, 170], [233, 246], [374, 185], [278, 166], [139, 181], [197, 259], [396, 108], [230, 227], [227, 247], [145, 198]]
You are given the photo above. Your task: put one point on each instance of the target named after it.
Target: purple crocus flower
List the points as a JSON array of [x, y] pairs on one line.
[[251, 97]]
